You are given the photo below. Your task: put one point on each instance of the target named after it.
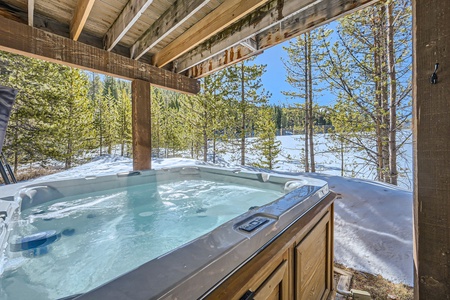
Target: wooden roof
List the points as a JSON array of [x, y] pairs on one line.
[[187, 38]]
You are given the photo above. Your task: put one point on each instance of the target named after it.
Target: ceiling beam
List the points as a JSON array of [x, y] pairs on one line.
[[32, 42], [82, 11], [265, 17], [130, 14], [250, 44], [30, 12], [229, 57], [170, 20], [304, 14], [224, 15]]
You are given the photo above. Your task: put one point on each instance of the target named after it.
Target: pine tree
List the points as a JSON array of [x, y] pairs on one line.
[[245, 94], [267, 147], [124, 120], [301, 66], [74, 130], [369, 70]]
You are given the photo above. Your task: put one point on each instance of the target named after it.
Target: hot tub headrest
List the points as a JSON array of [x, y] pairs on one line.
[[33, 196]]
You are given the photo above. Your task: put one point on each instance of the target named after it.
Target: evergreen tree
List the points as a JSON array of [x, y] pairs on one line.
[[302, 64], [97, 102], [124, 120], [243, 82], [74, 131], [267, 147], [369, 70]]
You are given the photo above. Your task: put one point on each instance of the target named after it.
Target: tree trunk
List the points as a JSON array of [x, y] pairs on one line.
[[310, 106], [306, 107], [205, 138], [214, 149], [385, 92], [393, 173], [378, 103], [243, 116]]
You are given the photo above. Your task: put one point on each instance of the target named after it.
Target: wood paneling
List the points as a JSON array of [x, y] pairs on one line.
[[165, 25], [312, 263], [272, 273], [431, 128], [225, 14], [22, 39], [272, 24], [130, 14]]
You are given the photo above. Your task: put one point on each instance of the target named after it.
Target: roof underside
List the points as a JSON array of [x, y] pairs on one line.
[[192, 38]]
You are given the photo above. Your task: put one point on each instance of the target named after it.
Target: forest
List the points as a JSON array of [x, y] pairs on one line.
[[68, 115]]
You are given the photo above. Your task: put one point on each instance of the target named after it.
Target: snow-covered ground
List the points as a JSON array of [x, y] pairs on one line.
[[373, 221]]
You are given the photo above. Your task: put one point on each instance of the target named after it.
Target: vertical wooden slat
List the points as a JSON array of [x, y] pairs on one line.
[[431, 121], [141, 118], [31, 13]]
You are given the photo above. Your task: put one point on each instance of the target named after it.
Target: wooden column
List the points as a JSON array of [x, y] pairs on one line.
[[141, 118], [431, 40]]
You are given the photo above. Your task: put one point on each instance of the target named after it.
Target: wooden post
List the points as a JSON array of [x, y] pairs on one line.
[[141, 118], [431, 121]]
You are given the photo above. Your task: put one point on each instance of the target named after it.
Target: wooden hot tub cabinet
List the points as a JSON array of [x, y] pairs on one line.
[[296, 265]]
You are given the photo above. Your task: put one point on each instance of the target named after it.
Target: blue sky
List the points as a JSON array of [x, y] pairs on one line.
[[274, 80]]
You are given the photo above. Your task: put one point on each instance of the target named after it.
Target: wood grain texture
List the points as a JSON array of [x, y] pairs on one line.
[[141, 124], [127, 18], [229, 57], [312, 277], [431, 128], [224, 15], [174, 17], [30, 12], [28, 41], [295, 17], [262, 272], [82, 11]]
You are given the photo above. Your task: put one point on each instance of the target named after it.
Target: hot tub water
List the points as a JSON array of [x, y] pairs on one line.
[[107, 234]]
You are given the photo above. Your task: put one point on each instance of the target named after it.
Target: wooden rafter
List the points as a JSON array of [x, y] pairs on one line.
[[267, 16], [80, 16], [22, 39], [30, 12], [271, 25], [130, 14], [175, 16], [224, 15], [229, 57], [250, 44]]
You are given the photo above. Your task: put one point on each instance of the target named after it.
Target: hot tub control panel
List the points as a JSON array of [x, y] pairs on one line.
[[252, 224]]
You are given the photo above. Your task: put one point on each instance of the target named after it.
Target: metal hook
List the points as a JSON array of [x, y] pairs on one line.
[[434, 76]]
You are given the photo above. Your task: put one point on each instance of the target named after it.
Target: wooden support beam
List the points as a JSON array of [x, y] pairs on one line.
[[229, 57], [298, 16], [30, 13], [130, 14], [431, 128], [172, 18], [82, 11], [224, 15], [251, 44], [22, 39], [141, 127]]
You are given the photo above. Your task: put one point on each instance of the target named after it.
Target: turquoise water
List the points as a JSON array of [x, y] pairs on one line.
[[108, 234]]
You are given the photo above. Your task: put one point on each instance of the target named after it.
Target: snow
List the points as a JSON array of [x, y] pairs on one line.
[[373, 221]]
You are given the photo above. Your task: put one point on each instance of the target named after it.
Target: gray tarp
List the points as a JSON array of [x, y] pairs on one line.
[[7, 97]]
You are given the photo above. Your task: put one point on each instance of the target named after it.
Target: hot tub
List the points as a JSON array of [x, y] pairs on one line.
[[174, 233]]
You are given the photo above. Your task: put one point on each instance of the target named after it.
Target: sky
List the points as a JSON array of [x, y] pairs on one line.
[[274, 79]]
